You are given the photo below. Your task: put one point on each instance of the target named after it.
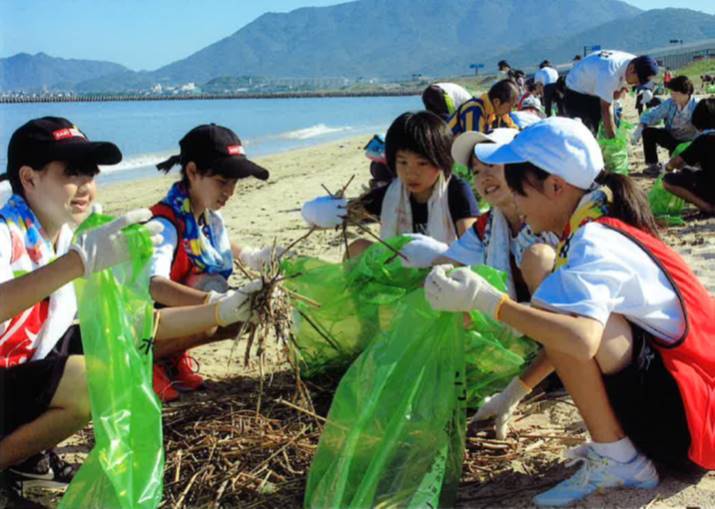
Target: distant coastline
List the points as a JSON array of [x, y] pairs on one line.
[[50, 98]]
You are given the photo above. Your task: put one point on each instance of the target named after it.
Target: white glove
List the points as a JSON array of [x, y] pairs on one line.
[[324, 211], [502, 406], [462, 290], [106, 246], [422, 251], [213, 297], [256, 258], [636, 136], [235, 306]]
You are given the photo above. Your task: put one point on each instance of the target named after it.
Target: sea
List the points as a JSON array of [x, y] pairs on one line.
[[149, 131]]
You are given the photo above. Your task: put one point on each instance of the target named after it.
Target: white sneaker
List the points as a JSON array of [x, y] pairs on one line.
[[599, 472]]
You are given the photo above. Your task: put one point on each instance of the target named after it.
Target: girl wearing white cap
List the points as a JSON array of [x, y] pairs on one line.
[[626, 324]]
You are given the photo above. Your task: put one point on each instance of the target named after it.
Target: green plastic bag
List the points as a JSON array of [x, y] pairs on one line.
[[666, 207], [124, 470], [464, 173], [493, 355], [395, 430], [615, 150], [710, 89], [357, 301]]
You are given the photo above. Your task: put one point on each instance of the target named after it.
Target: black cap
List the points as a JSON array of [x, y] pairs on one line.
[[214, 147], [646, 67], [48, 139], [502, 64]]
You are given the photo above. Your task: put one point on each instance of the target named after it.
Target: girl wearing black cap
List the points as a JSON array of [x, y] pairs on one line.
[[43, 395], [193, 264]]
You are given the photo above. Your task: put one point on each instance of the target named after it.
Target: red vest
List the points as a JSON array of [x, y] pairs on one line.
[[181, 264], [691, 359]]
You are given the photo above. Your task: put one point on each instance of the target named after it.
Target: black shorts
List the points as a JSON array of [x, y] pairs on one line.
[[27, 389], [694, 181], [583, 106], [647, 402]]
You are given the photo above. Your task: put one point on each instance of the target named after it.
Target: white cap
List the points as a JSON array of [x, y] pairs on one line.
[[560, 146], [464, 144]]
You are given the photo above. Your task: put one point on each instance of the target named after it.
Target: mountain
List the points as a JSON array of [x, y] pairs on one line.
[[38, 72], [387, 38], [647, 30]]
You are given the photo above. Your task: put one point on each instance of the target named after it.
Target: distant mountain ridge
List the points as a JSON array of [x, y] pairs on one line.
[[386, 38], [41, 71], [383, 39]]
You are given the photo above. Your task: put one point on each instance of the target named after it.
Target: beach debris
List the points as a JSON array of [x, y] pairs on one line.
[[357, 216], [221, 452]]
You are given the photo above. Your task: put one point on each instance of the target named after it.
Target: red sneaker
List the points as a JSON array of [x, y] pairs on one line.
[[162, 385], [185, 372]]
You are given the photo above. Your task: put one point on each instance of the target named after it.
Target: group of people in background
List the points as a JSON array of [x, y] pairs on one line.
[[621, 318]]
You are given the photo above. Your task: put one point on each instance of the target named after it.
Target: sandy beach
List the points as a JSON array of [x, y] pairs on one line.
[[263, 211]]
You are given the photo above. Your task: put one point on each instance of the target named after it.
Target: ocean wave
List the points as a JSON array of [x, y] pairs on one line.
[[313, 132], [138, 161]]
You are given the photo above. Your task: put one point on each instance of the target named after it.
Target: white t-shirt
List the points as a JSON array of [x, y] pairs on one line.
[[458, 93], [608, 273], [600, 74], [546, 76], [163, 257]]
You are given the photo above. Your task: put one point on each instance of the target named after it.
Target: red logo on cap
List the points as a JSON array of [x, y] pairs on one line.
[[236, 150], [70, 132]]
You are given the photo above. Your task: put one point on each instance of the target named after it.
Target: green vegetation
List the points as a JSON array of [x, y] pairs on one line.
[[697, 69]]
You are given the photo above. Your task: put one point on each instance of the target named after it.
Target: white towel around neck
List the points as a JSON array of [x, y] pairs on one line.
[[396, 215]]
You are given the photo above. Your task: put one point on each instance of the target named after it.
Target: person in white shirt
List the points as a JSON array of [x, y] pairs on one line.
[[545, 79], [598, 80], [623, 320], [444, 98]]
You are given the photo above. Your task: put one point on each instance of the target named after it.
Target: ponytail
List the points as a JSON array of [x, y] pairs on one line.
[[167, 165], [630, 204]]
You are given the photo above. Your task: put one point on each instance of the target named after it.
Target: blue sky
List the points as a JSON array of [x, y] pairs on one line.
[[146, 34]]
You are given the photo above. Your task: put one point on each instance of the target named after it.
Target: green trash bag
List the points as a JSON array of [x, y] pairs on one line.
[[666, 207], [124, 470], [395, 431], [493, 355], [615, 150], [357, 300], [464, 173]]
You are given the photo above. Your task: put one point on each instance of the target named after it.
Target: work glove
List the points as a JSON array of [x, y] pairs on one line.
[[462, 290], [256, 258], [501, 406], [235, 305], [421, 251], [636, 135], [324, 211], [107, 246]]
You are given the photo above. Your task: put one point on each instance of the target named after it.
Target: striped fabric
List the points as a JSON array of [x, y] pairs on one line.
[[477, 114]]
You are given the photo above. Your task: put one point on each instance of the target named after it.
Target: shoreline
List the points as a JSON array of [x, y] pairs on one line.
[[207, 97]]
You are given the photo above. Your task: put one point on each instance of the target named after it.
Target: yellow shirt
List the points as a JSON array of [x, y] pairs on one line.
[[478, 115]]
